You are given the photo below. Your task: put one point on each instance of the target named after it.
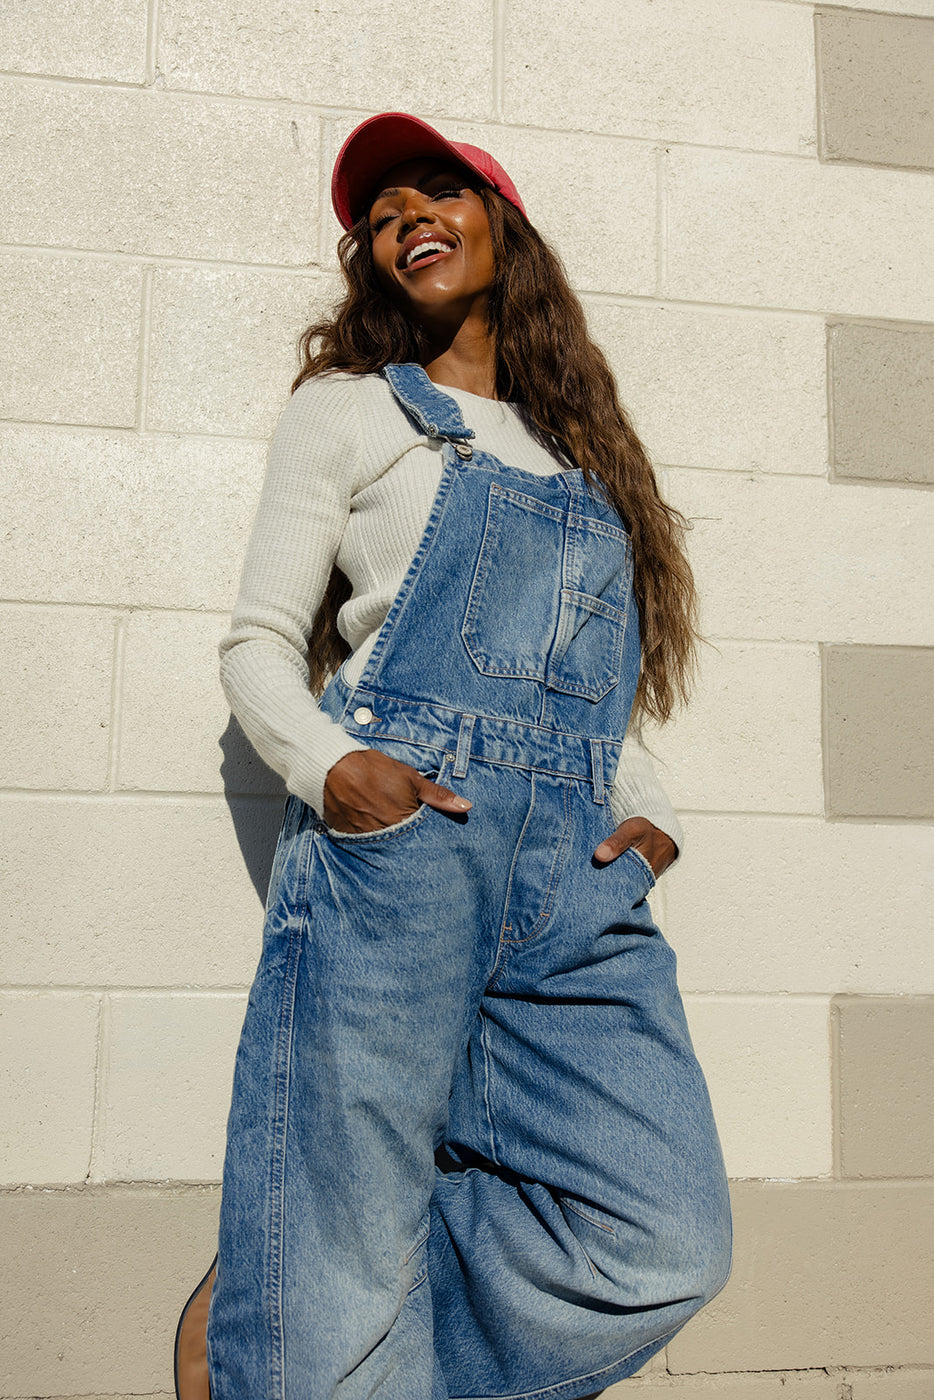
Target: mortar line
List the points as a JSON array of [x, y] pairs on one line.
[[324, 194], [43, 603], [126, 796], [824, 732], [152, 42], [222, 992], [98, 1066], [279, 104], [499, 58], [818, 88], [99, 1125], [116, 698], [829, 397], [143, 352], [836, 1106], [661, 222], [311, 271], [148, 434]]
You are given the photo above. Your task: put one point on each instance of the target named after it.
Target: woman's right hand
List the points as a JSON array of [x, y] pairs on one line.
[[367, 790]]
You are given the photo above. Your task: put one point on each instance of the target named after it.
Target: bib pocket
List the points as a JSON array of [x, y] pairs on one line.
[[551, 596]]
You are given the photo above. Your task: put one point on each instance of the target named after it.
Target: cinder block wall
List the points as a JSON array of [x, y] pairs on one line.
[[743, 191]]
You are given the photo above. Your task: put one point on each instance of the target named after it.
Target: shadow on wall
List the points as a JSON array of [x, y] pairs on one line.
[[255, 796]]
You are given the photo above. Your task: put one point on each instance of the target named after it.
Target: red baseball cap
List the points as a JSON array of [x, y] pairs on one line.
[[384, 141]]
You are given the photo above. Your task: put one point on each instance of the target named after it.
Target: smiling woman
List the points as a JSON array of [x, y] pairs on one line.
[[470, 1150]]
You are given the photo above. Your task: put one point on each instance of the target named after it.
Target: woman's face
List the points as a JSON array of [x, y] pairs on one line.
[[431, 242]]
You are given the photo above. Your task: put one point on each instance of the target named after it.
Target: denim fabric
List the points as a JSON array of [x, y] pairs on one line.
[[470, 1150]]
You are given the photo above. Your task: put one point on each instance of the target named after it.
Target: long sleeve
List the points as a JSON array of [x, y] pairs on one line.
[[303, 511]]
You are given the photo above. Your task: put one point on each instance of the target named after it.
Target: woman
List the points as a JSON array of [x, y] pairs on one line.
[[470, 1152]]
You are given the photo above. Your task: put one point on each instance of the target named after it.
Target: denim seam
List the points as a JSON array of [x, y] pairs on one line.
[[555, 875], [277, 1183], [500, 964], [487, 1083]]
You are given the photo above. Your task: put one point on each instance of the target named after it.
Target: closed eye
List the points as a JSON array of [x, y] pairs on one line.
[[380, 222]]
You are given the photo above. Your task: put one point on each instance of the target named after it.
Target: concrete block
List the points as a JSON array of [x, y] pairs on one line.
[[801, 906], [224, 348], [715, 389], [750, 740], [69, 335], [669, 70], [791, 559], [773, 1385], [158, 173], [618, 254], [901, 1384], [772, 231], [824, 1275], [149, 521], [885, 1052], [882, 392], [171, 686], [147, 892], [879, 738], [875, 88], [104, 39], [767, 1066], [434, 62], [94, 1284], [55, 693], [166, 1087], [47, 1088]]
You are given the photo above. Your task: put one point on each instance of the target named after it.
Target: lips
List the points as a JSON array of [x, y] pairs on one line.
[[423, 248]]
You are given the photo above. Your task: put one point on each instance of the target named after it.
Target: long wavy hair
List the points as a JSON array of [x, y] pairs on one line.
[[549, 367]]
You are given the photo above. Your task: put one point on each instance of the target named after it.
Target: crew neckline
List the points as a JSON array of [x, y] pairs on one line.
[[477, 398]]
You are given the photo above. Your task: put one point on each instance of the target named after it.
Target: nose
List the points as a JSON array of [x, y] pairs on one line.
[[416, 209]]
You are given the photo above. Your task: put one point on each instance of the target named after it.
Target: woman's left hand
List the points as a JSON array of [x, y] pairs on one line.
[[652, 843]]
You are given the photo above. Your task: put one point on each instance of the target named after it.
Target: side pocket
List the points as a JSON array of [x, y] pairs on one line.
[[397, 829]]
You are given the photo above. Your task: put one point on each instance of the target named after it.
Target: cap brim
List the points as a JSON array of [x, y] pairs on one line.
[[374, 147]]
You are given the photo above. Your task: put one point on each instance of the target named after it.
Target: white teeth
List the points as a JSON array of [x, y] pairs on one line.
[[426, 248]]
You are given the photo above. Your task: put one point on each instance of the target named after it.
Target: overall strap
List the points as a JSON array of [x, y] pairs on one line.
[[435, 412]]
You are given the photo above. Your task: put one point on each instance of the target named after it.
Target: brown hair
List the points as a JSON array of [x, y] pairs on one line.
[[547, 364]]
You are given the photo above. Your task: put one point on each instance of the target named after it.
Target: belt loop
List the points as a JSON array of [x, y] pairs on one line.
[[596, 770], [464, 736]]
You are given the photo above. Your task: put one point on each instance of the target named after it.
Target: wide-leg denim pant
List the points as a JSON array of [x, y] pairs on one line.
[[470, 1150]]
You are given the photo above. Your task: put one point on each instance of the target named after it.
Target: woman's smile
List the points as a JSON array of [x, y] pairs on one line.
[[430, 238], [423, 248]]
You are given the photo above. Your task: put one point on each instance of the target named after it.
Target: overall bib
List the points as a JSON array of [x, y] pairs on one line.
[[470, 1151]]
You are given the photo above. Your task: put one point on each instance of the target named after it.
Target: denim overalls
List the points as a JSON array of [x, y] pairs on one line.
[[470, 1151]]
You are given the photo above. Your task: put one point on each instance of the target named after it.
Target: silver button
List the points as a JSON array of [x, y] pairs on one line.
[[363, 715]]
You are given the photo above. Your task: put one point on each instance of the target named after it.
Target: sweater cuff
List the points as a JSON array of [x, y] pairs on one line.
[[636, 792], [308, 781]]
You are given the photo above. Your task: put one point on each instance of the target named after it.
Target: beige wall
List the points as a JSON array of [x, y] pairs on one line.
[[743, 191]]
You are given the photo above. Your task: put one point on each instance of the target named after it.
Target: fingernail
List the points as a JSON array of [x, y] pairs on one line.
[[462, 803], [603, 851]]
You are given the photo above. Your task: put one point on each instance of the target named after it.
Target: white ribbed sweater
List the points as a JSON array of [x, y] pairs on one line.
[[351, 480]]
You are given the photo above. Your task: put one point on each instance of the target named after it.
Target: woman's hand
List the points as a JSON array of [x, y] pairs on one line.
[[367, 790], [659, 850]]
